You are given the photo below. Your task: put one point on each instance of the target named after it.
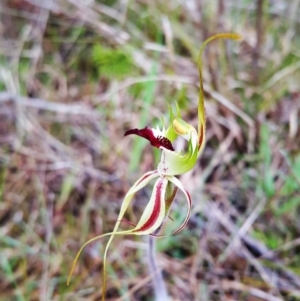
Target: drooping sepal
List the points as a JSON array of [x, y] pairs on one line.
[[138, 185], [154, 212], [178, 184], [170, 196]]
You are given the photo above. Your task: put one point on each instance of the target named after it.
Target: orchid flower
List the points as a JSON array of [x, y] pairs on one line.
[[172, 164]]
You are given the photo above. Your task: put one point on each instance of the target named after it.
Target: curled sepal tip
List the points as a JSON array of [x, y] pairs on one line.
[[201, 109]]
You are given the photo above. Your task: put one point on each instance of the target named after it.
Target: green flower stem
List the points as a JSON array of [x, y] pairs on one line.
[[160, 290]]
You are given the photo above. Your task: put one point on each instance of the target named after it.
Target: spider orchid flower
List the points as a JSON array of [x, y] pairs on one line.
[[172, 164]]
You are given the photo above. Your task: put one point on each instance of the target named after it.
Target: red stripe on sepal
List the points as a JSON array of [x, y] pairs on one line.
[[146, 176], [156, 208], [201, 137], [154, 213]]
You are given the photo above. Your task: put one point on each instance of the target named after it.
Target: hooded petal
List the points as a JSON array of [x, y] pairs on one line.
[[173, 163]]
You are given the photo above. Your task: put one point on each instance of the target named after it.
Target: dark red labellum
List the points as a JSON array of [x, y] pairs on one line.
[[147, 133]]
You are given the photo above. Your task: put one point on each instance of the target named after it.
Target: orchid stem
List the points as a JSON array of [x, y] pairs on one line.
[[160, 290]]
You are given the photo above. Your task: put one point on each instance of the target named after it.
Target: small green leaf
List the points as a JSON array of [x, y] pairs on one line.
[[112, 63]]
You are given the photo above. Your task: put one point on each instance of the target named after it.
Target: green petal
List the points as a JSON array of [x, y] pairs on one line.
[[170, 133]]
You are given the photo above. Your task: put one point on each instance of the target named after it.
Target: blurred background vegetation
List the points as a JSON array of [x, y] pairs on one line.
[[75, 75]]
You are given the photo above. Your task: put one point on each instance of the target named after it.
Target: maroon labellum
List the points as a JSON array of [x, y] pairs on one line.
[[156, 141]]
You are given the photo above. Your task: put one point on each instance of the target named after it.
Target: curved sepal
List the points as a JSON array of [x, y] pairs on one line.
[[138, 185], [179, 185], [201, 108], [170, 196], [154, 212]]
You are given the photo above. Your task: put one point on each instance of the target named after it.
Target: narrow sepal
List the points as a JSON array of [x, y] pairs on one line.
[[201, 108], [170, 196], [154, 212], [139, 184], [178, 184]]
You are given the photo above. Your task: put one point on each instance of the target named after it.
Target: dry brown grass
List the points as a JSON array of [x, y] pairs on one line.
[[64, 164]]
